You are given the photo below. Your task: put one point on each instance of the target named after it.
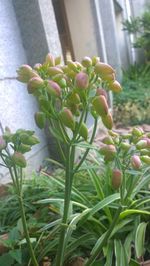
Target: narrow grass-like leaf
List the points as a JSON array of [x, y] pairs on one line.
[[133, 211], [140, 239], [109, 255]]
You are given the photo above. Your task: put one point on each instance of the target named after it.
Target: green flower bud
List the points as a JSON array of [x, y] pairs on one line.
[[29, 140], [116, 178], [2, 143], [86, 62], [57, 60], [109, 151], [107, 121], [109, 77], [37, 66], [40, 119], [113, 134], [141, 144], [52, 71], [138, 132], [125, 146], [95, 60], [34, 84], [83, 131], [100, 105], [72, 65], [108, 140], [23, 148], [136, 162], [144, 152], [82, 80], [19, 159], [145, 159], [50, 60], [115, 87], [25, 73], [67, 118], [53, 88], [101, 91], [74, 98], [103, 69]]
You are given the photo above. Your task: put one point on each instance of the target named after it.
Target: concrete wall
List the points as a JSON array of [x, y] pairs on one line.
[[23, 40], [82, 28]]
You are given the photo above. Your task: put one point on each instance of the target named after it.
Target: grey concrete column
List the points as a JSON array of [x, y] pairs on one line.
[[110, 35]]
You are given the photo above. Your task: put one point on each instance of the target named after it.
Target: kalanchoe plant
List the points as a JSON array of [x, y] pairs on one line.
[[13, 146], [67, 94]]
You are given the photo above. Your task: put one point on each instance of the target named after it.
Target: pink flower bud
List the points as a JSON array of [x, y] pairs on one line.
[[101, 91], [53, 88], [116, 178], [109, 151], [136, 162], [50, 60], [100, 105], [2, 143], [103, 69], [115, 87], [107, 121], [34, 84], [25, 73], [82, 80], [37, 66], [67, 118]]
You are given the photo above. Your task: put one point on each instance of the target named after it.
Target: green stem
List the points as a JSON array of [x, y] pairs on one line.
[[68, 186], [87, 150], [23, 217], [105, 239]]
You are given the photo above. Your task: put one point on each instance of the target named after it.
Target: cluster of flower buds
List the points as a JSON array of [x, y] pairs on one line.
[[64, 91], [20, 142], [133, 146]]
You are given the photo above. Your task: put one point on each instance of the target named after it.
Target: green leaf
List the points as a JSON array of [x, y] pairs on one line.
[[133, 211], [140, 239], [6, 259], [120, 253], [127, 244], [133, 263], [16, 254], [109, 254], [56, 134]]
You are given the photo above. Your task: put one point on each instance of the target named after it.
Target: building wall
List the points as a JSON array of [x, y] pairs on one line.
[[21, 43]]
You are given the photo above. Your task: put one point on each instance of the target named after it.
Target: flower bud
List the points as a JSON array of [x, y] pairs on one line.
[[115, 87], [29, 140], [103, 69], [83, 131], [116, 178], [95, 60], [34, 84], [67, 118], [37, 66], [107, 121], [40, 119], [74, 98], [19, 159], [23, 148], [72, 65], [57, 60], [101, 91], [82, 80], [112, 133], [53, 89], [52, 71], [141, 144], [144, 152], [109, 77], [86, 62], [145, 159], [136, 162], [125, 146], [138, 132], [109, 151], [100, 105], [50, 60], [2, 143], [25, 73], [107, 140]]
